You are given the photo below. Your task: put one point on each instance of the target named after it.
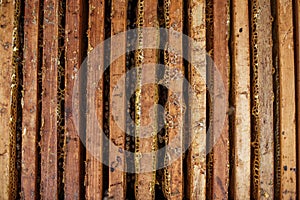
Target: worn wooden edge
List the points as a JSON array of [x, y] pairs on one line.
[[265, 90], [117, 126], [196, 186], [147, 96], [241, 100], [297, 15], [173, 172], [49, 137], [94, 167], [73, 59], [30, 100], [287, 99], [221, 60], [6, 57]]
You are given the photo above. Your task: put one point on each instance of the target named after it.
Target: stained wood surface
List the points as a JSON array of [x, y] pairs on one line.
[[94, 140], [241, 100], [73, 148], [220, 133], [117, 181], [49, 135], [297, 15], [287, 99], [173, 187], [196, 186], [30, 99], [6, 53]]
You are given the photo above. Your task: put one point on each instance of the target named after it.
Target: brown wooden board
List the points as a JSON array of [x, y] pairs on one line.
[[196, 171], [94, 167], [287, 99], [146, 98], [6, 70], [174, 180], [241, 100], [220, 180], [117, 178], [297, 28], [73, 55], [30, 100]]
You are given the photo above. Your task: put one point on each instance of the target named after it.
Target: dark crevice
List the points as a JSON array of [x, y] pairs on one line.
[[276, 88]]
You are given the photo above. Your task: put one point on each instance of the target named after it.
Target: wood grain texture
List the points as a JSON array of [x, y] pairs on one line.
[[146, 98], [73, 59], [297, 15], [49, 134], [287, 99], [174, 179], [241, 100], [30, 99], [220, 134], [264, 44], [6, 53], [196, 186], [94, 140], [117, 179]]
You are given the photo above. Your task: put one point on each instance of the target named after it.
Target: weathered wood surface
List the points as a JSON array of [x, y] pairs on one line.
[[241, 100]]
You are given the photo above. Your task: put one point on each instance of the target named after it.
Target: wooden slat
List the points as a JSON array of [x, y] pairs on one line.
[[146, 97], [30, 99], [287, 99], [94, 168], [197, 77], [73, 59], [241, 100], [49, 138], [265, 92], [173, 187], [297, 15], [220, 134], [6, 49], [117, 178]]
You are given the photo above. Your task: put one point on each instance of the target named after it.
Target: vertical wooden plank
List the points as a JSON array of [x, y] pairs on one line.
[[146, 97], [117, 178], [94, 167], [73, 59], [221, 61], [197, 77], [287, 99], [263, 99], [241, 100], [297, 15], [173, 186], [6, 54], [49, 102], [30, 99]]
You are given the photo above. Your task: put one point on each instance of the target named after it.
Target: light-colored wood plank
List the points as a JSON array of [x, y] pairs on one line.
[[287, 99], [96, 35], [117, 178], [30, 99], [197, 107], [49, 186], [146, 97], [297, 14], [6, 70], [173, 173], [221, 73], [73, 59], [241, 100]]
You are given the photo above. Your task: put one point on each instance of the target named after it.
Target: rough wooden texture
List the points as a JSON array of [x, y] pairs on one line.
[[49, 101], [297, 15], [287, 99], [6, 49], [220, 134], [94, 168], [146, 98], [263, 45], [73, 34], [196, 186], [241, 100], [117, 178], [30, 99]]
